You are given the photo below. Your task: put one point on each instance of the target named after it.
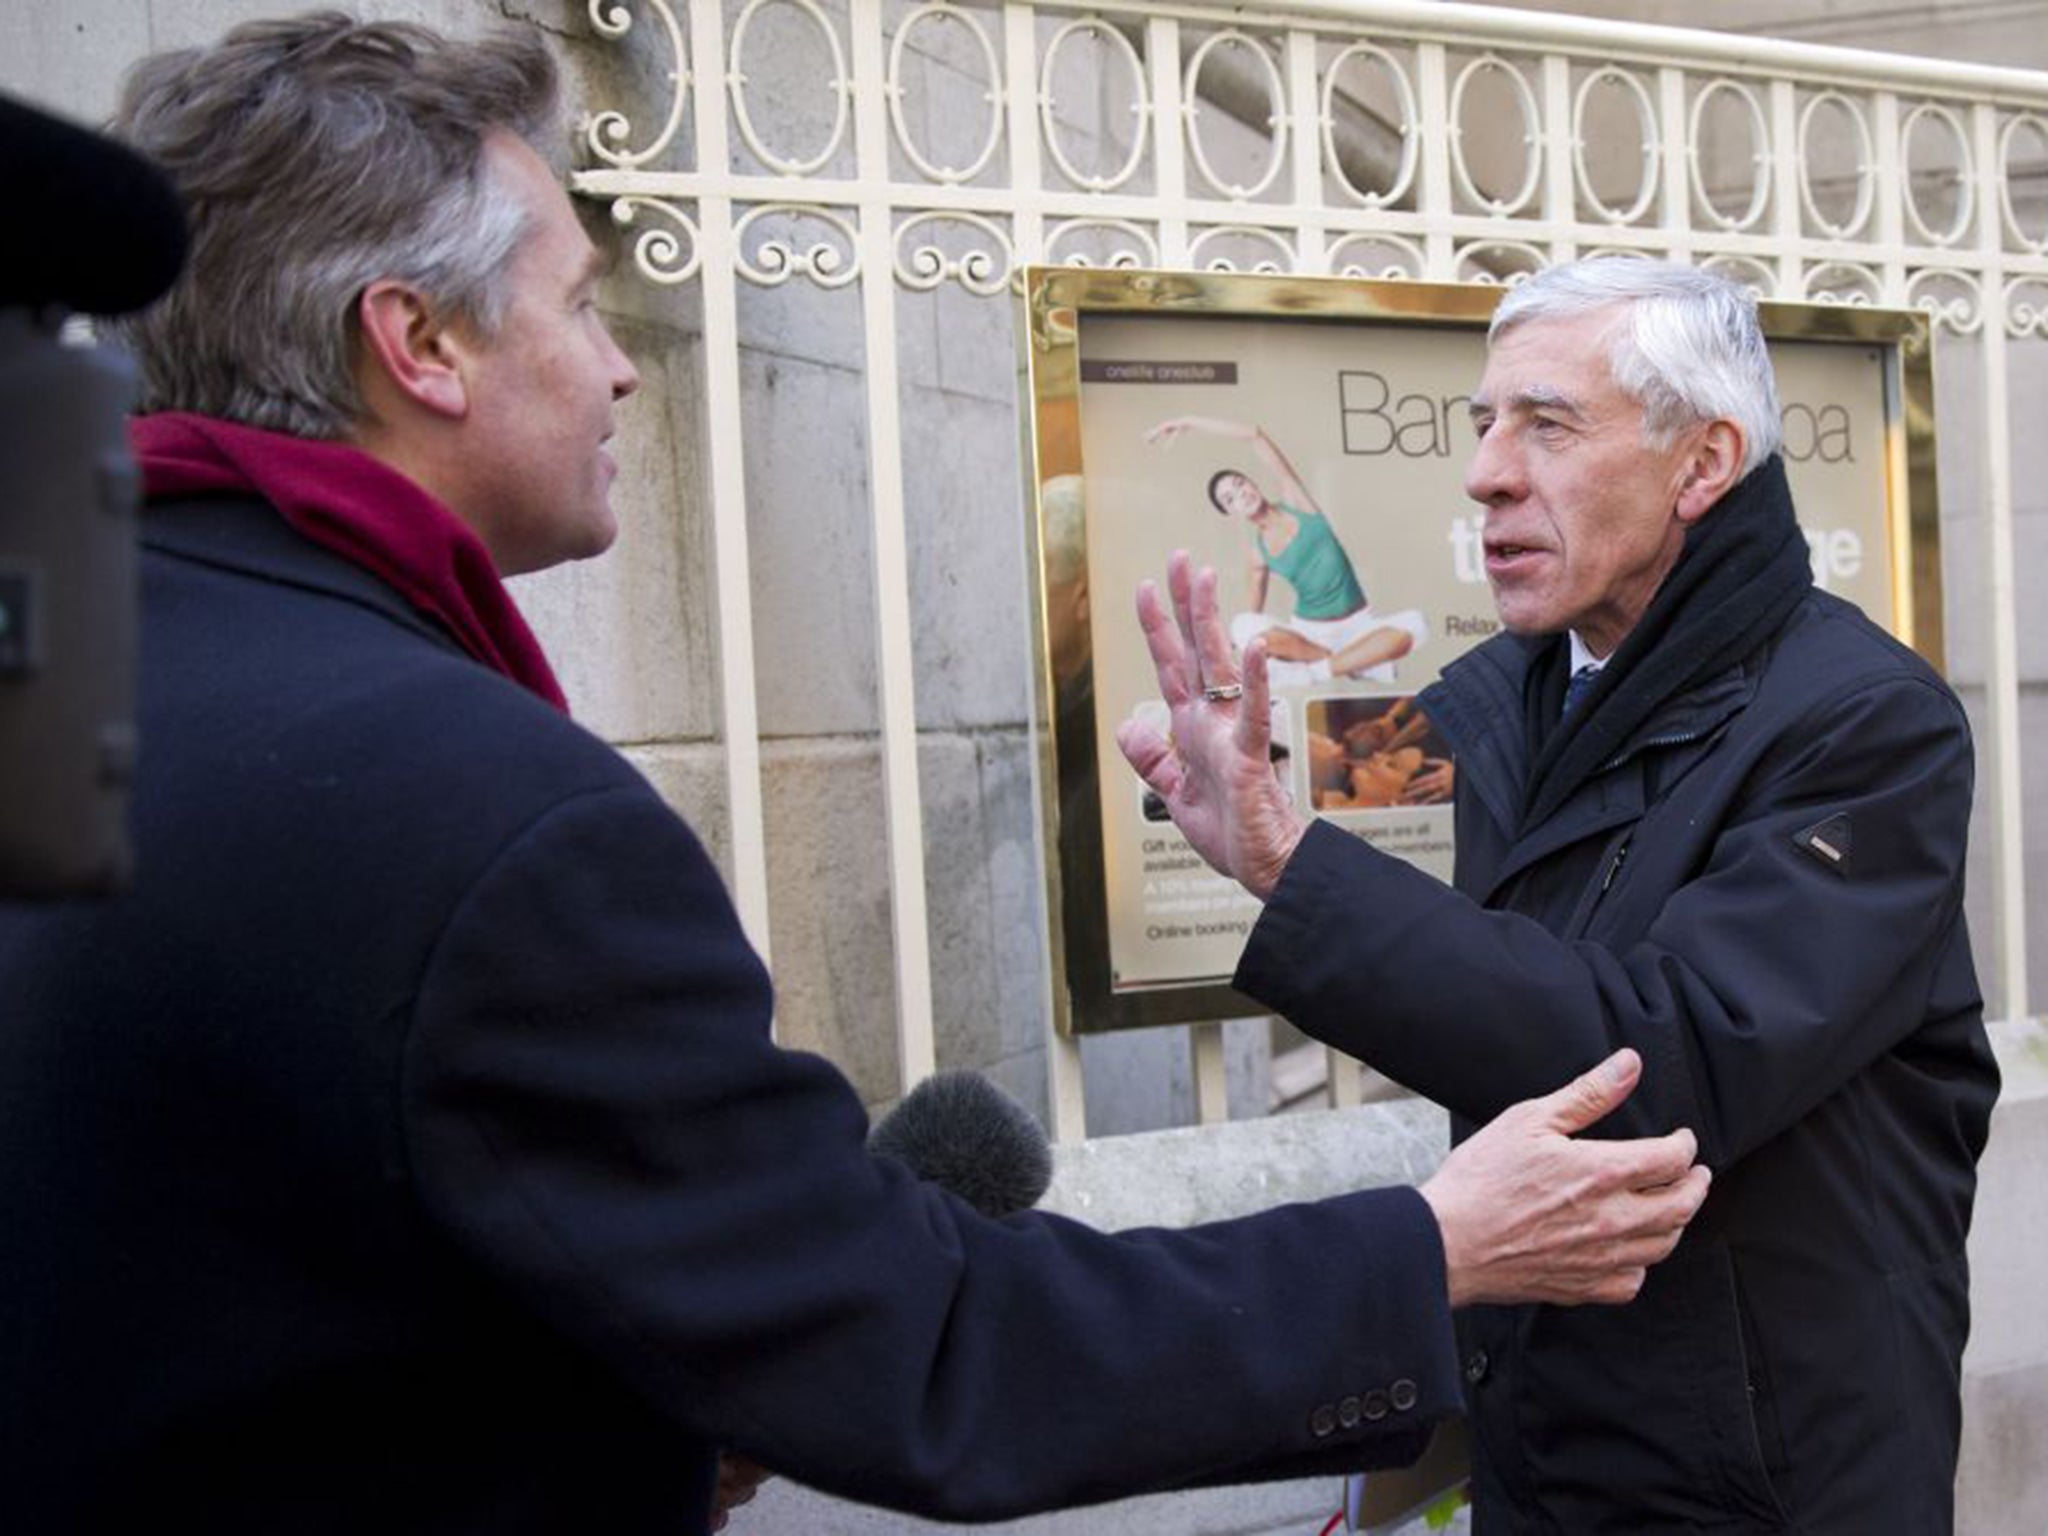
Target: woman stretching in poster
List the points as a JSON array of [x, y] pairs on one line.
[[1334, 631]]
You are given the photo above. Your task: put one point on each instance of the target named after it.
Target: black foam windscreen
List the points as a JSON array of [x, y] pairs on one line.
[[97, 228]]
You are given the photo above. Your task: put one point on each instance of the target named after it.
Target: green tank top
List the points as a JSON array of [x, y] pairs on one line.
[[1315, 565]]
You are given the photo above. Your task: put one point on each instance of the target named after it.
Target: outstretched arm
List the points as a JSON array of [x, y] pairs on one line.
[[1730, 990]]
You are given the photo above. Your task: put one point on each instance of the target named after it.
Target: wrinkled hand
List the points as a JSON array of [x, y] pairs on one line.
[[1530, 1215], [738, 1480], [1213, 771]]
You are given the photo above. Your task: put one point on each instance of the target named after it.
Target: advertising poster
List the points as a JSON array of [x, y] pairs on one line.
[[1317, 461]]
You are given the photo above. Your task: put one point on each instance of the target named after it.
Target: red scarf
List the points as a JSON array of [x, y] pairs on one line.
[[361, 509]]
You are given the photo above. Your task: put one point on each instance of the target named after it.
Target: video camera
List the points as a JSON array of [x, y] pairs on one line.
[[99, 232]]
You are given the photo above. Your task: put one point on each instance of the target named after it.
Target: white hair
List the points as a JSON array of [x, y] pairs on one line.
[[1691, 352]]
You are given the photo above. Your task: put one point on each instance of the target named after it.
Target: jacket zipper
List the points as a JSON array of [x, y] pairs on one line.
[[1613, 869], [1584, 920], [1647, 745]]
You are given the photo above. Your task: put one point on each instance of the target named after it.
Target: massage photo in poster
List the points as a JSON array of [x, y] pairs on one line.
[[1313, 452]]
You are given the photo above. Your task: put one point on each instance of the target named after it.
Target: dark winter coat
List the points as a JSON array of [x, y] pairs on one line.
[[1757, 883]]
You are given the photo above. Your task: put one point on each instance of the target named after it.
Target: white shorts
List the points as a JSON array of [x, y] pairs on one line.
[[1332, 635]]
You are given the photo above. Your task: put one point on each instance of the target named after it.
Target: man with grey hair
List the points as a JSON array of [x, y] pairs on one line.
[[1703, 810], [407, 1148]]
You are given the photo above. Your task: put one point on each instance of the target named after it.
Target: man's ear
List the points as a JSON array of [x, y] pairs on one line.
[[413, 348], [1711, 469]]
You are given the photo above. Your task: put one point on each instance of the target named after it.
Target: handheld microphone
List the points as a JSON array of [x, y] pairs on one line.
[[108, 228], [961, 1132]]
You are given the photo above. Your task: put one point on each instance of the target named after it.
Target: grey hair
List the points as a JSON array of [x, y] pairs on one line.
[[317, 156], [1692, 351]]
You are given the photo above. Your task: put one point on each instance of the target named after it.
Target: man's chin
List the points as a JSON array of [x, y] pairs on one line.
[[597, 536], [1519, 618]]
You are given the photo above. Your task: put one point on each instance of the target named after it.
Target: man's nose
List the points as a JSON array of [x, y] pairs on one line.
[[1494, 472], [625, 377]]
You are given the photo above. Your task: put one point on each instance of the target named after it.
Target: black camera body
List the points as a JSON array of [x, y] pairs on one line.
[[67, 611], [97, 230]]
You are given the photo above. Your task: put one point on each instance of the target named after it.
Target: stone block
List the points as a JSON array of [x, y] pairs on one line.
[[787, 90], [2009, 1231], [917, 315], [2031, 845], [989, 989], [829, 918], [813, 543], [978, 349], [1137, 1080], [1960, 457], [1281, 1509], [1965, 586], [965, 993], [1192, 1174], [691, 780], [951, 108], [1978, 892], [963, 492], [799, 319], [2002, 1483], [1025, 1078], [69, 59], [2026, 387], [2000, 1486]]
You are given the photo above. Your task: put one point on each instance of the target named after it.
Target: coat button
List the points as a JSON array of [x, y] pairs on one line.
[[1322, 1421], [1402, 1395], [1347, 1412], [1375, 1404], [1476, 1366]]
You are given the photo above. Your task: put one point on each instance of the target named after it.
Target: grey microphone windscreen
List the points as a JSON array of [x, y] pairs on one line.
[[963, 1133]]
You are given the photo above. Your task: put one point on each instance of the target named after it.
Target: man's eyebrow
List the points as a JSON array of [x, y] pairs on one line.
[[1532, 397]]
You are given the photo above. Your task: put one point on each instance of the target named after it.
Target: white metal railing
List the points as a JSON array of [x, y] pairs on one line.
[[1315, 137]]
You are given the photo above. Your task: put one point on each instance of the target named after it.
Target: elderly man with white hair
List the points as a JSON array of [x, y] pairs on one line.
[[1704, 810]]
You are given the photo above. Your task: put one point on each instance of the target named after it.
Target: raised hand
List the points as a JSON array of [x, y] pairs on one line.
[[1528, 1214], [1212, 769]]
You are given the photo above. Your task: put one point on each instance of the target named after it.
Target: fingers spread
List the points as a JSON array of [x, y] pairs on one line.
[[1180, 587], [1212, 641], [1171, 658], [1254, 727]]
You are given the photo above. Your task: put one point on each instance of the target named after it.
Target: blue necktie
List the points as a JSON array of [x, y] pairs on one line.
[[1575, 688]]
